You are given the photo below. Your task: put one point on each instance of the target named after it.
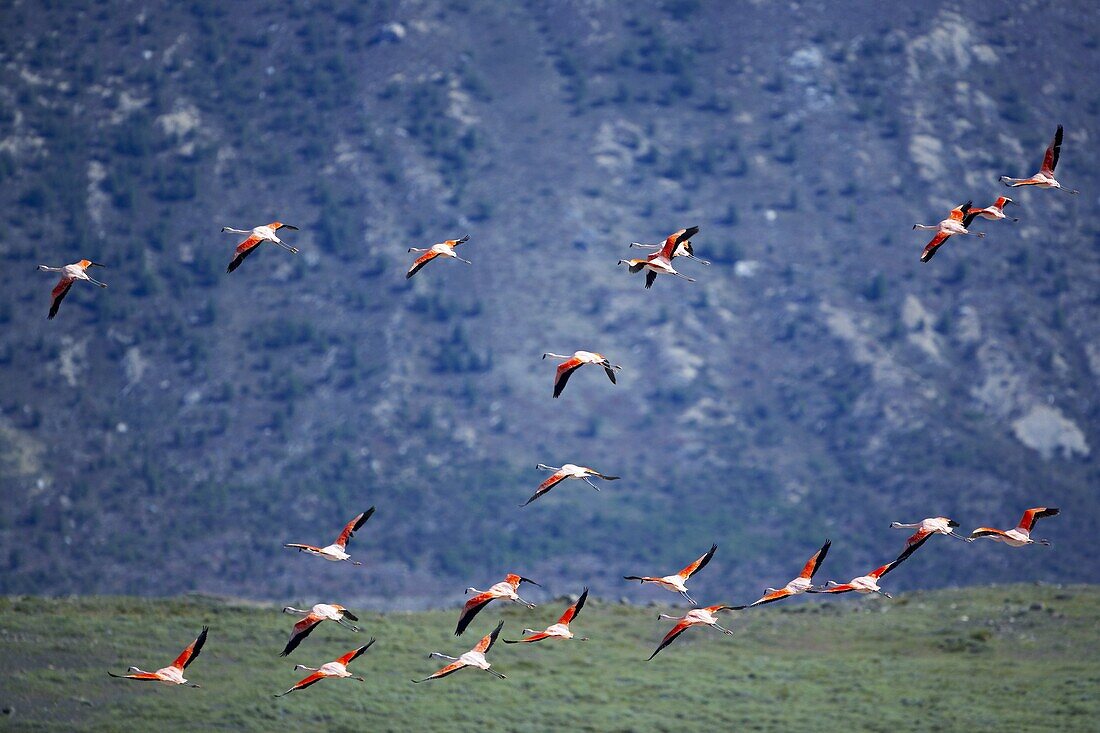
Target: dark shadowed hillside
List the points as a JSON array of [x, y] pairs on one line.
[[170, 432]]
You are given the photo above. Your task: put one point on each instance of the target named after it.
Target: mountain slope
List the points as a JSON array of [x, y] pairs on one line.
[[169, 433]]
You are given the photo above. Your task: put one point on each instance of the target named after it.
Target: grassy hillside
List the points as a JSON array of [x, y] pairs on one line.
[[927, 660]]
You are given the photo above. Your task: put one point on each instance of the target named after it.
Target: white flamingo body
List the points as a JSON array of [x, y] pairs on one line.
[[1020, 535], [707, 616], [173, 673], [677, 582], [69, 275], [1045, 177], [568, 471], [337, 551]]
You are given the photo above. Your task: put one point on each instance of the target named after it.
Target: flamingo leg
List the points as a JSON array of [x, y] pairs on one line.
[[585, 479]]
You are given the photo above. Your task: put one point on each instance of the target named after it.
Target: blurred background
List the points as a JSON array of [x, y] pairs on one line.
[[168, 434]]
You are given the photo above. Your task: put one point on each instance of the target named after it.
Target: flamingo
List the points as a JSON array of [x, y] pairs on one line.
[[575, 362], [336, 668], [1045, 177], [661, 261], [863, 584], [694, 617], [683, 247], [993, 212], [675, 582], [320, 612], [952, 225], [173, 673], [569, 470], [1021, 535], [336, 551], [560, 630], [69, 275], [799, 585], [473, 658], [925, 529], [445, 249], [256, 237], [504, 589]]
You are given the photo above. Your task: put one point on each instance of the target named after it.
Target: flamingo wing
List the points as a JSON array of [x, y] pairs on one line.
[[675, 239], [565, 370], [471, 609], [304, 683], [533, 637], [300, 547], [699, 564], [986, 532], [147, 676], [959, 212], [556, 478], [456, 242], [419, 262], [884, 569], [449, 669], [355, 653], [301, 630], [930, 249], [244, 249], [814, 563], [188, 655], [59, 292], [772, 597], [1033, 515], [352, 526], [1050, 160], [572, 611], [842, 588], [487, 641], [650, 278], [671, 637], [914, 543]]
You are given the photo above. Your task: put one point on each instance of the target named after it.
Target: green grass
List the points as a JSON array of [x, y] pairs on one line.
[[927, 660]]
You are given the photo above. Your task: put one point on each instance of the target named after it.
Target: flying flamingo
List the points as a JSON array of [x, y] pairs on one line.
[[504, 589], [661, 261], [69, 275], [863, 584], [444, 249], [694, 617], [173, 673], [335, 668], [336, 551], [320, 612], [993, 212], [1021, 535], [1045, 177], [925, 529], [952, 225], [675, 582], [560, 630], [683, 247], [575, 362], [473, 658], [256, 237], [799, 585], [569, 470]]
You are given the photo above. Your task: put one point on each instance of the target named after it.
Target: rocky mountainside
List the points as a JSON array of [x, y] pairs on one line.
[[170, 432]]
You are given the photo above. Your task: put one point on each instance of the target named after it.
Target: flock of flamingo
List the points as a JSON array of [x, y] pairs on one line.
[[659, 262]]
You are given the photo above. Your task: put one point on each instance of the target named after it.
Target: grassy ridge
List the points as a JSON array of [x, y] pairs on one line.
[[928, 660]]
